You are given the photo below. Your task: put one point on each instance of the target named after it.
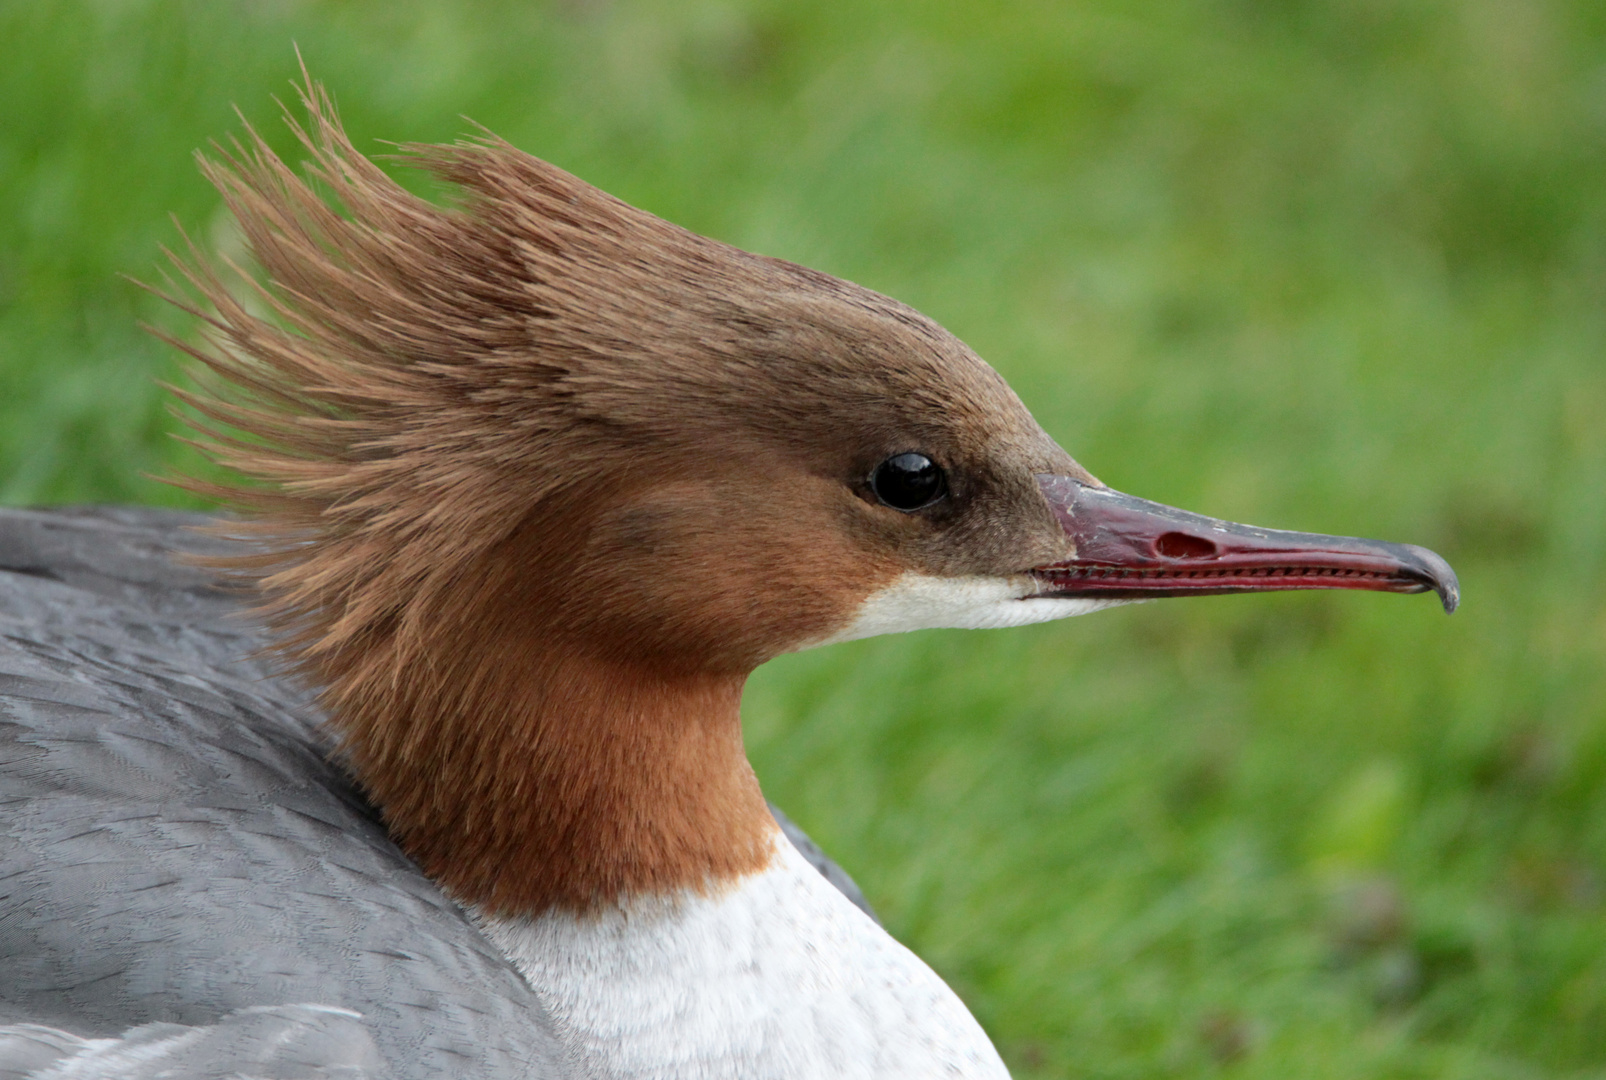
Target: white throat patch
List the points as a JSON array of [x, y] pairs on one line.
[[925, 602], [778, 976]]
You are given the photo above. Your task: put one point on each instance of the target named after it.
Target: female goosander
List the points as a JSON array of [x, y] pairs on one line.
[[533, 483]]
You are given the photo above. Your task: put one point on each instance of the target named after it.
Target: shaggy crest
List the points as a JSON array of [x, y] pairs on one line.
[[423, 367]]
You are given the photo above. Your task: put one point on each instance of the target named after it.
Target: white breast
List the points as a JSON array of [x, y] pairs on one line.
[[777, 976]]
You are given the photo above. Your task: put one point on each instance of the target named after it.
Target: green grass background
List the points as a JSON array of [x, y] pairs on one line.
[[1334, 265]]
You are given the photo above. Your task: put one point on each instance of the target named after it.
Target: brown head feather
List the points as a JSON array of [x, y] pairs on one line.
[[537, 480]]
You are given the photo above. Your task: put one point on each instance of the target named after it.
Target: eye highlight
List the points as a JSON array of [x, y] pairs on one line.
[[908, 482]]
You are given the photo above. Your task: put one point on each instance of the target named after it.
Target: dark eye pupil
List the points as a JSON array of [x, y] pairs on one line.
[[908, 481]]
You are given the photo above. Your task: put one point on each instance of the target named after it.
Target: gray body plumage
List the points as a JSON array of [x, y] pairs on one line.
[[183, 869]]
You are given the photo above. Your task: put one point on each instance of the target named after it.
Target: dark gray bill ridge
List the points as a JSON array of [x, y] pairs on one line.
[[1131, 548]]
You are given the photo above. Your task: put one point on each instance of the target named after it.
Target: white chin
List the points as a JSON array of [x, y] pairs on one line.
[[925, 602]]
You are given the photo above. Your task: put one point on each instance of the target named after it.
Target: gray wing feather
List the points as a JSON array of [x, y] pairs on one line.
[[286, 1042]]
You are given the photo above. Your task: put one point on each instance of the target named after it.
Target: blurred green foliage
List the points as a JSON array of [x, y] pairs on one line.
[[1335, 265]]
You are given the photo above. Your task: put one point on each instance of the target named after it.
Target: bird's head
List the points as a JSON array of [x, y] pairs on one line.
[[538, 479]]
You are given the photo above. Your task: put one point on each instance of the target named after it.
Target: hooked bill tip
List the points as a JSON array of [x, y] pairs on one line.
[[1438, 576]]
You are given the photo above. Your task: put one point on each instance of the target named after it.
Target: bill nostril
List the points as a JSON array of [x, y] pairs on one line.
[[1176, 545]]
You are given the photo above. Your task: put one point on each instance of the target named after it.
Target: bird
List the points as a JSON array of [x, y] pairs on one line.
[[425, 759]]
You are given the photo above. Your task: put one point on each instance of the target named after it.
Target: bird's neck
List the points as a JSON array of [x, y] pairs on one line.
[[525, 774]]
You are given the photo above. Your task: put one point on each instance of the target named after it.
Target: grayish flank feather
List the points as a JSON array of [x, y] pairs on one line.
[[288, 1042], [188, 887]]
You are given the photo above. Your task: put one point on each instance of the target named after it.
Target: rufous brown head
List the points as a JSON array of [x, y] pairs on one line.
[[536, 479]]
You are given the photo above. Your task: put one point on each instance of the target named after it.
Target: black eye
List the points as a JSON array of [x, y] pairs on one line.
[[908, 481]]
